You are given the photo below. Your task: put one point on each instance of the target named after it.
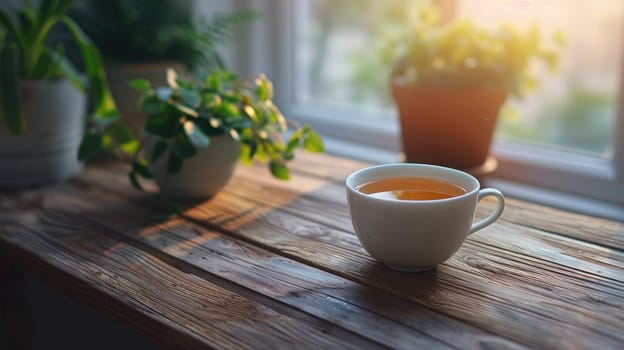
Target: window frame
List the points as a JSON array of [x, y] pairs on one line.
[[268, 47]]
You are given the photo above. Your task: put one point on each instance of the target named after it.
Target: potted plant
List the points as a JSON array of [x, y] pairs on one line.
[[143, 38], [450, 81], [196, 131], [43, 99]]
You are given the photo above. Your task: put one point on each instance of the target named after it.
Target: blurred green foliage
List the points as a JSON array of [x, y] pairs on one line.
[[156, 30]]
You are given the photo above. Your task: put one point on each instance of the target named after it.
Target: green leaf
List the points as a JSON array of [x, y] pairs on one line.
[[208, 127], [250, 112], [35, 45], [211, 100], [150, 104], [190, 97], [130, 147], [293, 142], [140, 85], [102, 121], [279, 170], [26, 23], [68, 69], [264, 88], [243, 155], [140, 167], [174, 165], [158, 150], [227, 109], [120, 132], [9, 89], [44, 66], [261, 154], [102, 98], [183, 147], [163, 125], [90, 146], [123, 137], [134, 180], [312, 142], [9, 25], [276, 116], [212, 82], [196, 135], [253, 148]]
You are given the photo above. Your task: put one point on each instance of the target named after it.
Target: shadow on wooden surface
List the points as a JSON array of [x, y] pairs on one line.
[[58, 322]]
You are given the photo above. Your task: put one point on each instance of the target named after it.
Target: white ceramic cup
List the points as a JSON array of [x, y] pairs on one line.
[[416, 235]]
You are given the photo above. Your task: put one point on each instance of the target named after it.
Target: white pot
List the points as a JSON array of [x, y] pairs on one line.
[[201, 176], [48, 150]]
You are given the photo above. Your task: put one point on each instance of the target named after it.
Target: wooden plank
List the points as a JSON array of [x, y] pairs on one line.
[[318, 197], [353, 306], [591, 229], [339, 252], [325, 166], [173, 308], [459, 292], [534, 243]]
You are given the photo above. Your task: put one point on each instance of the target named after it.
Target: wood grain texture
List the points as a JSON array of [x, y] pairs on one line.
[[277, 216], [173, 308], [503, 305], [591, 229], [286, 251], [329, 249], [357, 308], [551, 246]]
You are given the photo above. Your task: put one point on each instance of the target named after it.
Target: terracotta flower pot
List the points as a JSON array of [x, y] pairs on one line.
[[47, 151], [447, 126]]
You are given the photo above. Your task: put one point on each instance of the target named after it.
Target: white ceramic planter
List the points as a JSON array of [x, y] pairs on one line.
[[201, 176], [48, 150]]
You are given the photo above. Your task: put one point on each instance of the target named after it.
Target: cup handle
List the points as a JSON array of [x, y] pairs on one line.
[[495, 214]]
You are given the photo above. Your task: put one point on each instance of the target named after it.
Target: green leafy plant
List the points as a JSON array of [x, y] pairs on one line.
[[184, 116], [460, 53], [155, 30], [24, 54]]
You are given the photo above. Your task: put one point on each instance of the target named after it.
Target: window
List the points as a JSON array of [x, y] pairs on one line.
[[568, 136]]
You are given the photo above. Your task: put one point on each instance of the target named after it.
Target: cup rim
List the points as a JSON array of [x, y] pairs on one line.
[[352, 188]]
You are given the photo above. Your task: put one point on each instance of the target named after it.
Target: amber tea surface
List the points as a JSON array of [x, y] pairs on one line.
[[411, 188]]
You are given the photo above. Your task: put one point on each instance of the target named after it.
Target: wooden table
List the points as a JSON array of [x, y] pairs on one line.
[[273, 264]]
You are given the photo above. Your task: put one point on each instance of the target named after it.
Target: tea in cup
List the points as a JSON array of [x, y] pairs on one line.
[[411, 217]]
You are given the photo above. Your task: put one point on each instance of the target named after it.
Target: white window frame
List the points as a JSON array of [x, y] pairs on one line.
[[564, 179]]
